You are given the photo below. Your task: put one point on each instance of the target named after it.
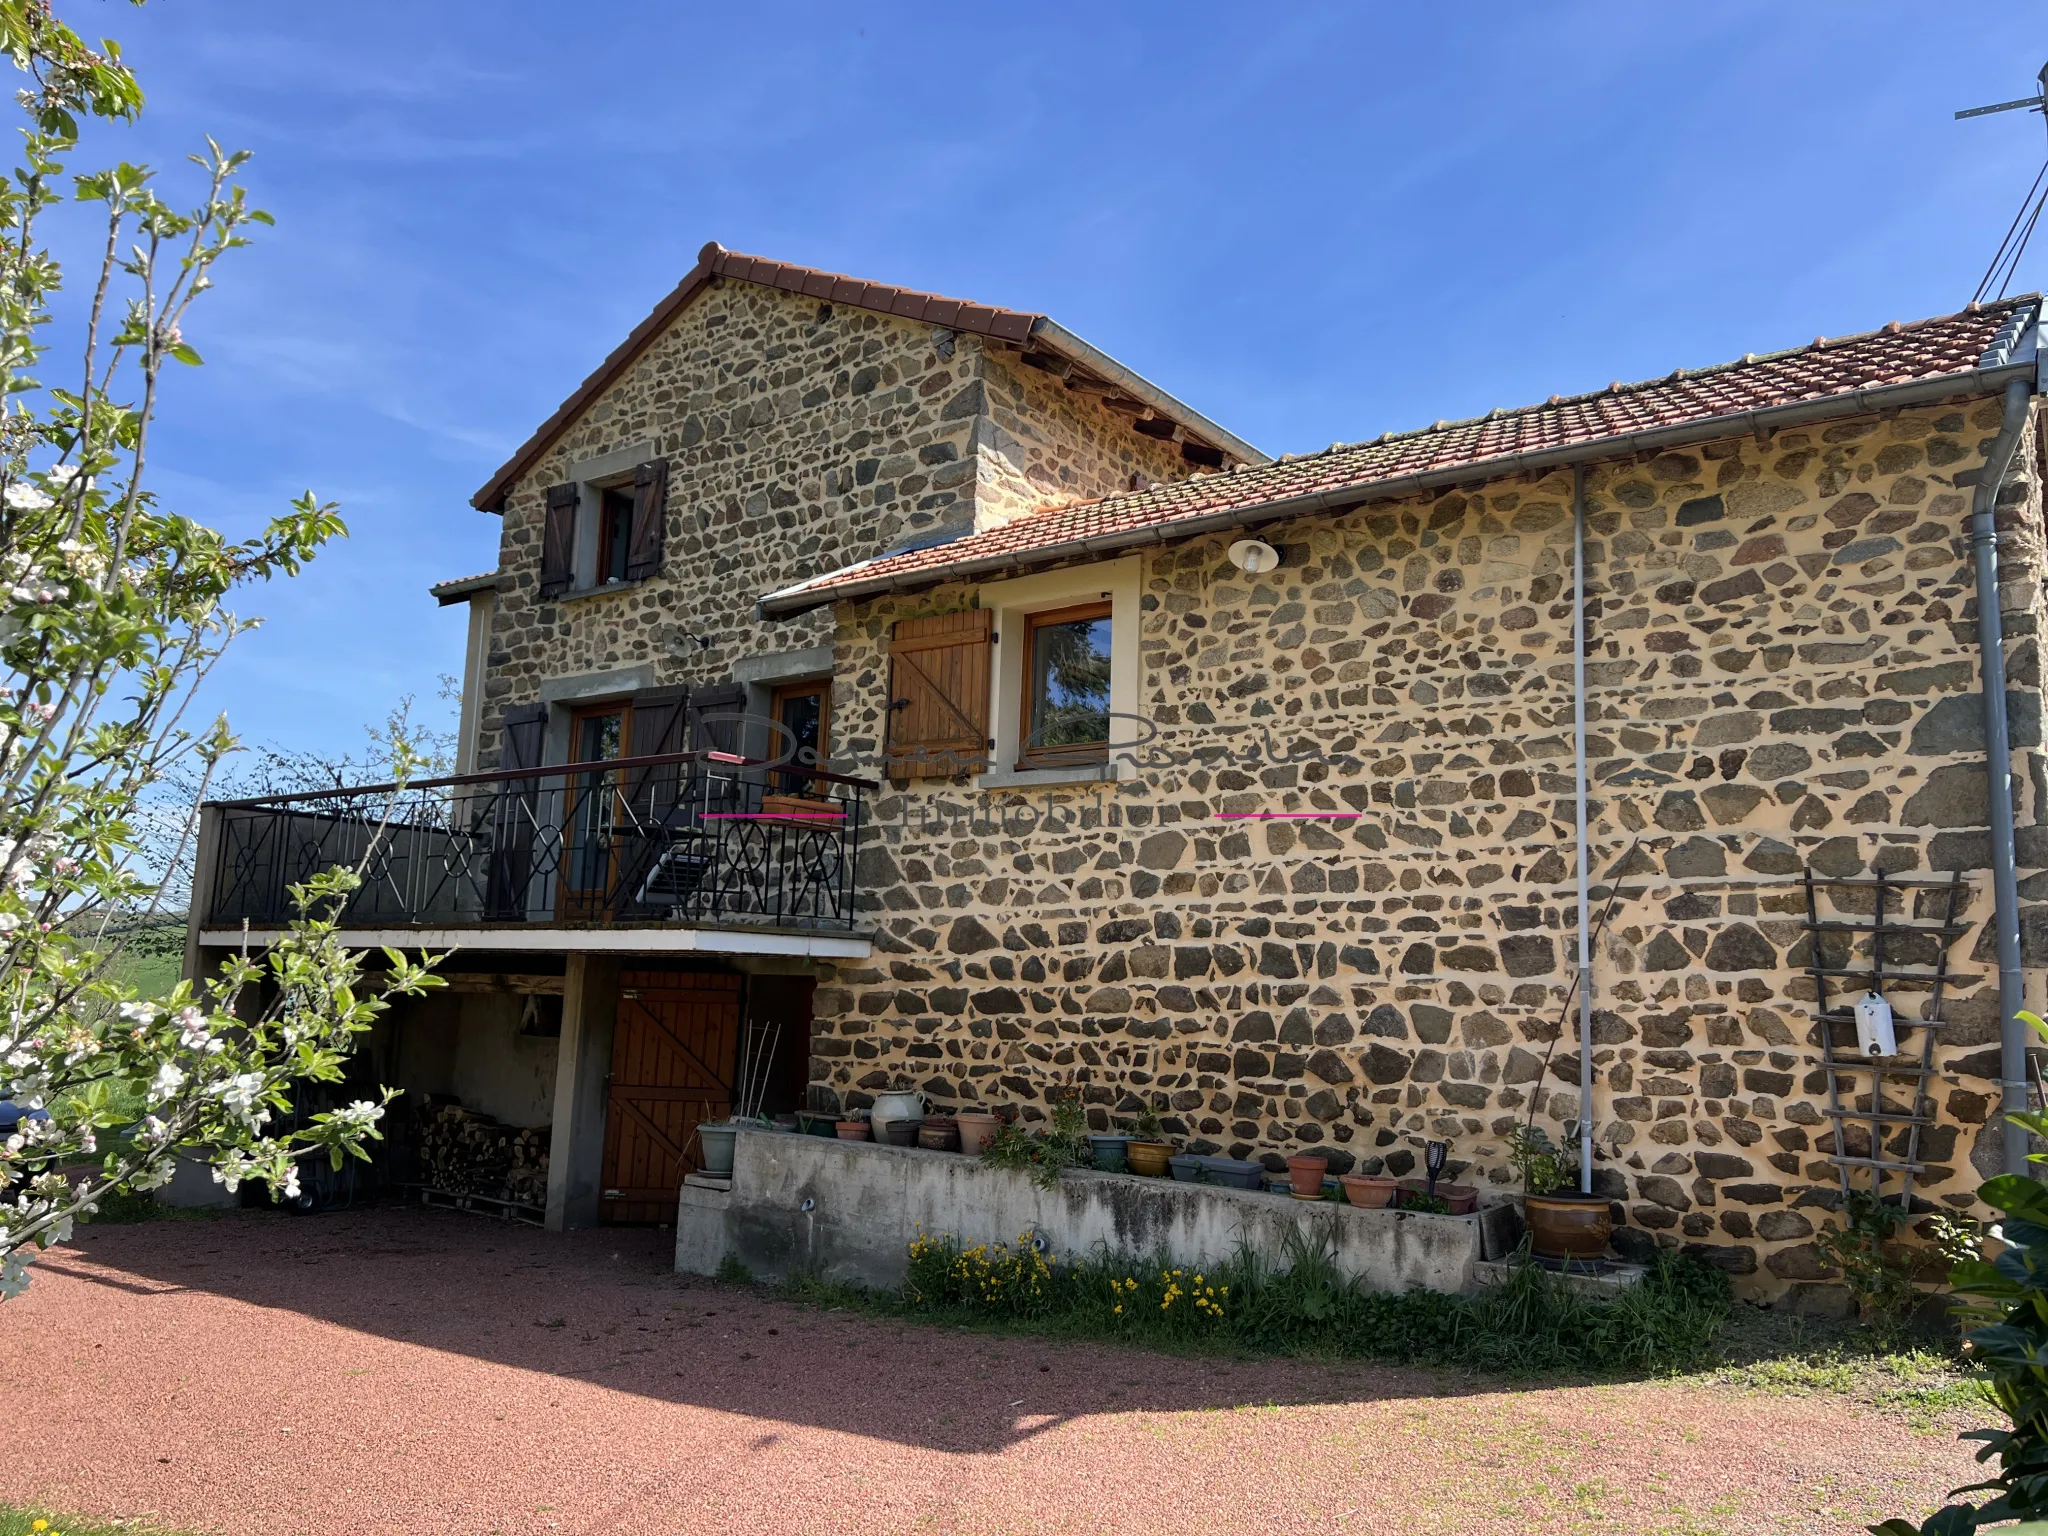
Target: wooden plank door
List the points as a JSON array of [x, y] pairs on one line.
[[675, 1050]]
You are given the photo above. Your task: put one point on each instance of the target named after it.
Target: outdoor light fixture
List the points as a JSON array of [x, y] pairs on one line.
[[1254, 557]]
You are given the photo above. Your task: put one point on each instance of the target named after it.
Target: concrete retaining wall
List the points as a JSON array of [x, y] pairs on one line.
[[867, 1202]]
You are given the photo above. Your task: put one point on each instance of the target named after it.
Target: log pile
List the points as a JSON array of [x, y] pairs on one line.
[[463, 1152]]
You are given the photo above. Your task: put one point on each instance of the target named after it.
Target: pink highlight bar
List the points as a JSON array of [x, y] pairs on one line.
[[1285, 815], [775, 816]]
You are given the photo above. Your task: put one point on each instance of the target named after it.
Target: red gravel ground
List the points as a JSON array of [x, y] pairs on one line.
[[435, 1372]]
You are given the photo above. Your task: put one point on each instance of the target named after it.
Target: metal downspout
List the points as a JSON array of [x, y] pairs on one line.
[[1998, 770], [1585, 853]]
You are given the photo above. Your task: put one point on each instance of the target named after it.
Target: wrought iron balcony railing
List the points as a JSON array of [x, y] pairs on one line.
[[690, 838]]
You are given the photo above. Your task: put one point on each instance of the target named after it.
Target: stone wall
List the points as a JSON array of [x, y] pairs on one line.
[[801, 437], [1782, 675]]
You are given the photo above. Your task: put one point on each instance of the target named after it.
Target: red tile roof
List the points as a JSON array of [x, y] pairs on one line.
[[1006, 325], [1825, 378]]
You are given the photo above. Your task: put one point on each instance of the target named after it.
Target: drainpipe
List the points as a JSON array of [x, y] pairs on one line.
[[1585, 854], [1998, 770]]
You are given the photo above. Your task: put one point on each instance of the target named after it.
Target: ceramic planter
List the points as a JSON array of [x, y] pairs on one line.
[[717, 1143], [1148, 1157], [1569, 1226], [1463, 1199], [902, 1132], [939, 1133], [977, 1130], [852, 1130], [1306, 1174], [1368, 1190], [1110, 1153], [888, 1107]]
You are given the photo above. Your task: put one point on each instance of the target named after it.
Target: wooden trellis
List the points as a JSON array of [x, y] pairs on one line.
[[1882, 947]]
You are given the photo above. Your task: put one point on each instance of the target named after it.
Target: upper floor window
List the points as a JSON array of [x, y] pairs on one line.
[[614, 533], [1066, 687], [596, 534]]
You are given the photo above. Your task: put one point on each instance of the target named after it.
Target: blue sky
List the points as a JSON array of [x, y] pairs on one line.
[[1311, 222]]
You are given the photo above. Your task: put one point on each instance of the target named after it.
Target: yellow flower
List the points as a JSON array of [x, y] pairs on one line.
[[39, 1525]]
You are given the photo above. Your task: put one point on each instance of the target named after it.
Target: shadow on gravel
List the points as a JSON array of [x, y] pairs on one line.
[[606, 1307]]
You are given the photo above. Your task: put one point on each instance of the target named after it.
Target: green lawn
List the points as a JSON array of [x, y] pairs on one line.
[[20, 1520]]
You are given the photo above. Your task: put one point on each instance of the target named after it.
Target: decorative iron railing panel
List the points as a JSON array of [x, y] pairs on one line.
[[682, 839]]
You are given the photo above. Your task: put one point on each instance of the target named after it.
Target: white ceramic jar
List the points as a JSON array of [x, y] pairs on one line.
[[907, 1105]]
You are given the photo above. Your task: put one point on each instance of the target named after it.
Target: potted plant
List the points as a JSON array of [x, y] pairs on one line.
[[854, 1127], [1306, 1174], [978, 1128], [1563, 1223], [1371, 1187], [1147, 1152]]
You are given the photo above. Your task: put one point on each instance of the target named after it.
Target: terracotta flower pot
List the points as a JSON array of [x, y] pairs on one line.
[[1569, 1226], [852, 1130], [1463, 1199], [1369, 1190], [977, 1130], [1148, 1157], [1306, 1174]]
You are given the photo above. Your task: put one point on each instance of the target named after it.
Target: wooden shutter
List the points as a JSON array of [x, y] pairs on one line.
[[558, 541], [650, 519], [660, 726], [938, 695], [525, 734], [726, 732], [514, 814]]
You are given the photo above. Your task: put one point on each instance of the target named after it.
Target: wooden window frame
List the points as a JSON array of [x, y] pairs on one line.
[[609, 546], [578, 902], [1030, 758], [791, 780]]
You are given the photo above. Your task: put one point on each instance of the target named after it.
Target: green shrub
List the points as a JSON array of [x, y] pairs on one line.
[[1861, 1247], [1533, 1321], [1044, 1154]]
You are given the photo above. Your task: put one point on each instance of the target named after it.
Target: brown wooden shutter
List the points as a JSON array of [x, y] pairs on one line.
[[524, 736], [938, 695], [660, 726], [650, 519], [715, 725], [514, 814], [558, 541]]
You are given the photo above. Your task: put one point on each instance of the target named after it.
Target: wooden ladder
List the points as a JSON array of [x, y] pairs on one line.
[[1914, 1061]]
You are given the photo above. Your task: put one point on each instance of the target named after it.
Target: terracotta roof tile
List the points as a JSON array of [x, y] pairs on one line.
[[1952, 345]]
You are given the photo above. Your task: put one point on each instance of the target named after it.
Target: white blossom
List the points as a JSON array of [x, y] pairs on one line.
[[169, 1080], [24, 497]]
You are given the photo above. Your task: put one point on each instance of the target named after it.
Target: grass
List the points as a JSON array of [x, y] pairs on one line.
[[26, 1520], [1922, 1381], [1528, 1325]]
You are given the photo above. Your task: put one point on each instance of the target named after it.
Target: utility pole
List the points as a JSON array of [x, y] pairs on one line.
[[2030, 103]]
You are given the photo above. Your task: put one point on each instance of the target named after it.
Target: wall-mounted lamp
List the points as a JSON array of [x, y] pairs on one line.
[[1254, 557]]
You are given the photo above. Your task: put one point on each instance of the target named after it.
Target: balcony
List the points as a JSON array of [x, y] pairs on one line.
[[629, 848]]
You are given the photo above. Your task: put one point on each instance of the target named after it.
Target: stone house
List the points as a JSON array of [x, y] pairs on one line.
[[1250, 790]]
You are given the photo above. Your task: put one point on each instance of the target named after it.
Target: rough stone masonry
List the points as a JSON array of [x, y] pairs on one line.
[[1783, 675]]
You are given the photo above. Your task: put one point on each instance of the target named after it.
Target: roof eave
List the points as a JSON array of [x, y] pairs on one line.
[[1766, 419], [1057, 337]]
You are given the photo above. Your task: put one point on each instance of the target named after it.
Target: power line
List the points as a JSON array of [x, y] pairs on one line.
[[2007, 247]]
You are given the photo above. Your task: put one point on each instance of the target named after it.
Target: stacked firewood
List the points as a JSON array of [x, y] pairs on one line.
[[527, 1179], [463, 1152]]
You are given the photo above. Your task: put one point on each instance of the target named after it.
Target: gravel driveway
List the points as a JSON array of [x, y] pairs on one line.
[[436, 1372]]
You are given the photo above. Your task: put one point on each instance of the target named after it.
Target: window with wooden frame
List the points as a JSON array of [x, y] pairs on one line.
[[1065, 693], [614, 533], [804, 711]]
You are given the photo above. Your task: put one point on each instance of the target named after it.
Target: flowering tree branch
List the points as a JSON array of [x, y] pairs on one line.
[[112, 612]]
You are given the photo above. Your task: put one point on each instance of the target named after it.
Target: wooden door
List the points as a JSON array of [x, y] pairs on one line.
[[675, 1050]]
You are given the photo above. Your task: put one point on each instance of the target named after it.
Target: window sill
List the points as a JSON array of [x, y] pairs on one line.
[[574, 593], [1028, 778]]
